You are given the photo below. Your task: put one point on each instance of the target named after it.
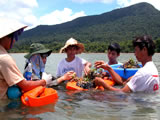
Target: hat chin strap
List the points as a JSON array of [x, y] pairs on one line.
[[15, 36], [11, 43]]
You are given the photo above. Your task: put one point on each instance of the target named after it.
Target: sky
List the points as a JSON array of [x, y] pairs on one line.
[[51, 12]]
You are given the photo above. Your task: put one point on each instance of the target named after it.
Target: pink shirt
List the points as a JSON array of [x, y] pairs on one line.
[[9, 72]]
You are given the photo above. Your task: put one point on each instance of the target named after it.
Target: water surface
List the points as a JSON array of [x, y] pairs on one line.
[[95, 105]]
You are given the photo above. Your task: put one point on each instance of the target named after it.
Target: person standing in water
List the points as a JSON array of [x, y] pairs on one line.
[[72, 62], [146, 78], [113, 52], [9, 73]]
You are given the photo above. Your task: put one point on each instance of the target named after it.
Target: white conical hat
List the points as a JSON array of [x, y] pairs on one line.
[[8, 26]]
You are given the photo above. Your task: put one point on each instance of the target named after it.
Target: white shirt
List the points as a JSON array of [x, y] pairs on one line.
[[146, 79], [76, 65]]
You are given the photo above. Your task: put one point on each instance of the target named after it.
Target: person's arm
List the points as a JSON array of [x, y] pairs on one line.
[[29, 85], [87, 67], [114, 75], [66, 76], [100, 82], [127, 80], [14, 76]]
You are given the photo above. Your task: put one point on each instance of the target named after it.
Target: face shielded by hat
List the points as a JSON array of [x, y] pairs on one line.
[[11, 28], [14, 36]]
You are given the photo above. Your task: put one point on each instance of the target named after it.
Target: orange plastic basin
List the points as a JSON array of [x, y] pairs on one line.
[[39, 96], [73, 86]]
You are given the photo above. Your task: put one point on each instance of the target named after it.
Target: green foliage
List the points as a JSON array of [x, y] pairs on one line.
[[158, 45]]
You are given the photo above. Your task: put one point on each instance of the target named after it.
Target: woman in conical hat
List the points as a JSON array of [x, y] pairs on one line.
[[9, 73], [72, 62]]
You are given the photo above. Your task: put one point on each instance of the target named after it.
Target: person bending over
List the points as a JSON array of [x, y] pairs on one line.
[[9, 73]]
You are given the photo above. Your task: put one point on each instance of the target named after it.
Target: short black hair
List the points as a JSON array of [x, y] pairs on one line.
[[145, 41], [114, 47]]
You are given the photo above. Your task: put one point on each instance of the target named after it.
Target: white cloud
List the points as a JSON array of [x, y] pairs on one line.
[[124, 3], [22, 10], [89, 1], [57, 17]]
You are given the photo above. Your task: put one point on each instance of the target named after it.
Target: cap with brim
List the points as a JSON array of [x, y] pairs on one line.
[[9, 26], [72, 42], [37, 48]]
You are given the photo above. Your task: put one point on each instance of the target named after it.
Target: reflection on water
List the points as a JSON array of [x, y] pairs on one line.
[[95, 105]]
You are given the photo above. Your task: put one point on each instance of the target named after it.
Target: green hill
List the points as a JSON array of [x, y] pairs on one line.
[[97, 31]]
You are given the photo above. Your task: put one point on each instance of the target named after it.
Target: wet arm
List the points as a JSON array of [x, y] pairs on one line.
[[100, 82], [115, 76], [28, 85], [125, 89], [107, 67], [87, 67], [66, 76], [124, 83]]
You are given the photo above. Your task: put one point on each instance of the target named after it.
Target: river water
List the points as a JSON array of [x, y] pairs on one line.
[[95, 105]]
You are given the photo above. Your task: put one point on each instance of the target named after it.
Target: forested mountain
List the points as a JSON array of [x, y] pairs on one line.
[[97, 31]]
